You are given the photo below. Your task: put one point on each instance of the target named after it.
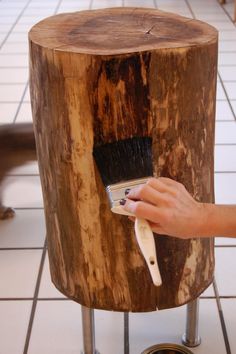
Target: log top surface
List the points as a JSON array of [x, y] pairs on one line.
[[120, 31]]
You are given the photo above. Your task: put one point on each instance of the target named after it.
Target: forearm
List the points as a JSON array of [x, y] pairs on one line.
[[220, 221]]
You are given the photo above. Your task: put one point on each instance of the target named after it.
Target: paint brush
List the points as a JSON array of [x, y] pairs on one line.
[[123, 165]]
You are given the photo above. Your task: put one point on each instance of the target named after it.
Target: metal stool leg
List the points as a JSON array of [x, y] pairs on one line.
[[88, 331], [126, 333], [191, 337]]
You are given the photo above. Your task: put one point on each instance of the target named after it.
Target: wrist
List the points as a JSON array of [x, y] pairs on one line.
[[218, 220], [207, 225]]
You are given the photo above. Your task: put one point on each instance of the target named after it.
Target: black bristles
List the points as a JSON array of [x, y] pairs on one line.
[[124, 160]]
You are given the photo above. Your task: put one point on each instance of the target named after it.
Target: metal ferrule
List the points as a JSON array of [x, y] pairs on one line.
[[116, 192]]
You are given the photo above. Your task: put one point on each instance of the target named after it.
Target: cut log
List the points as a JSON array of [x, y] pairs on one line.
[[107, 75]]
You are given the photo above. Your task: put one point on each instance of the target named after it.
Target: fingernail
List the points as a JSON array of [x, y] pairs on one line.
[[122, 201], [127, 191]]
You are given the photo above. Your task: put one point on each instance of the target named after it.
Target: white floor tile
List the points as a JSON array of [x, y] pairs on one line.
[[227, 46], [223, 111], [8, 19], [30, 168], [210, 10], [75, 7], [2, 37], [32, 20], [23, 192], [17, 38], [16, 48], [231, 90], [23, 27], [225, 188], [26, 229], [12, 60], [225, 272], [229, 311], [222, 25], [27, 96], [140, 3], [13, 4], [9, 11], [109, 327], [36, 11], [18, 272], [11, 93], [57, 328], [43, 4], [225, 158], [14, 318], [228, 73], [24, 114], [225, 133], [169, 326], [227, 35], [7, 112], [13, 76], [47, 288], [233, 103], [207, 17], [225, 241], [208, 292], [227, 59], [4, 28], [220, 94], [105, 3]]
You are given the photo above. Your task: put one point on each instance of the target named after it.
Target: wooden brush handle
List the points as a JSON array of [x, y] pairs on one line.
[[145, 238]]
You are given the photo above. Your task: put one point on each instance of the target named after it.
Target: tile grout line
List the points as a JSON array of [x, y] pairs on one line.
[[220, 312], [23, 175], [227, 14], [225, 144], [221, 81], [28, 208], [226, 94], [224, 172], [190, 9], [222, 321], [27, 83], [35, 300], [21, 248], [225, 246], [14, 24], [40, 272], [20, 103], [91, 4]]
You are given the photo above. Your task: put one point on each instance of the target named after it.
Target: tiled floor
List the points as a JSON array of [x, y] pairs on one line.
[[34, 317]]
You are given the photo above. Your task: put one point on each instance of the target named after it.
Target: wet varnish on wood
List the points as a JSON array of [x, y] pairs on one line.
[[102, 76]]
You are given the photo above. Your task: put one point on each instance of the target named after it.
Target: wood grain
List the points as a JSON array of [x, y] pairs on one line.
[[102, 76]]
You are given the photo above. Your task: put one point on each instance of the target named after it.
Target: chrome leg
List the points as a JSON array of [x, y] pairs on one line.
[[126, 333], [88, 331], [191, 337]]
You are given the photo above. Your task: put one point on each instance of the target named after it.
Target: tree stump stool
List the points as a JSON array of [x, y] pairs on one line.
[[101, 76]]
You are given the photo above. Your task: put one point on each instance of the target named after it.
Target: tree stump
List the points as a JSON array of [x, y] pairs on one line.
[[102, 76]]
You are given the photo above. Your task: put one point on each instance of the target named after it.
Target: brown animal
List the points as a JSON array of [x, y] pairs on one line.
[[17, 146]]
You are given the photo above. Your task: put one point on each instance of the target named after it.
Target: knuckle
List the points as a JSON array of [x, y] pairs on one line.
[[180, 186], [141, 191], [138, 207], [177, 193], [171, 202], [151, 181]]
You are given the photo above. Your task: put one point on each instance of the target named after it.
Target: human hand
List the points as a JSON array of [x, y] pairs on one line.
[[168, 207]]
